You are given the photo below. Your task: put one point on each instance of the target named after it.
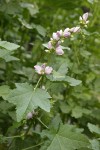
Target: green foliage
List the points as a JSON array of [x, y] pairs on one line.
[[6, 49], [27, 99], [66, 139], [59, 111]]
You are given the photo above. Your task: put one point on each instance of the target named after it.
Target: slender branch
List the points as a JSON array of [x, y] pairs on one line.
[[37, 83], [28, 129], [32, 146], [42, 123], [16, 136]]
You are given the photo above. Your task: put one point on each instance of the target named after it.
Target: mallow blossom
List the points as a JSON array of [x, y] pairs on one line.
[[43, 69], [66, 33], [83, 19], [55, 36], [48, 70], [59, 50], [59, 36], [75, 29], [39, 69], [59, 33], [57, 39]]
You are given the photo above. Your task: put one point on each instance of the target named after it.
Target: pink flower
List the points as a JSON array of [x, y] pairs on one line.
[[50, 45], [59, 50], [48, 70], [55, 36], [66, 32], [75, 29], [59, 33], [43, 69], [85, 16], [38, 69], [29, 115]]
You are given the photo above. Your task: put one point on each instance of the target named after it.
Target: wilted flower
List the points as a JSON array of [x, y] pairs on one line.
[[48, 70], [43, 69], [29, 115], [59, 50]]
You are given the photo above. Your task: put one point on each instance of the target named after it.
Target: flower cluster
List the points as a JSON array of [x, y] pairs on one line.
[[43, 69], [58, 37], [55, 43]]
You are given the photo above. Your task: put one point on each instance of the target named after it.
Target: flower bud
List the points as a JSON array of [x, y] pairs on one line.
[[87, 21], [59, 50], [49, 45], [29, 115], [47, 51], [48, 70], [43, 87], [80, 18]]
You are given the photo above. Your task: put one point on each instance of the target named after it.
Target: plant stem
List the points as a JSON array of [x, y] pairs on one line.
[[28, 129], [42, 123], [16, 136], [32, 146], [37, 83]]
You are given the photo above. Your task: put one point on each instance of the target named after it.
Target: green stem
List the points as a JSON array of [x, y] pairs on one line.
[[32, 122], [32, 146], [42, 123], [16, 136], [28, 129], [37, 83]]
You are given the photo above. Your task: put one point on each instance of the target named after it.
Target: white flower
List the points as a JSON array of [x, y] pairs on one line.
[[85, 16], [55, 36]]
